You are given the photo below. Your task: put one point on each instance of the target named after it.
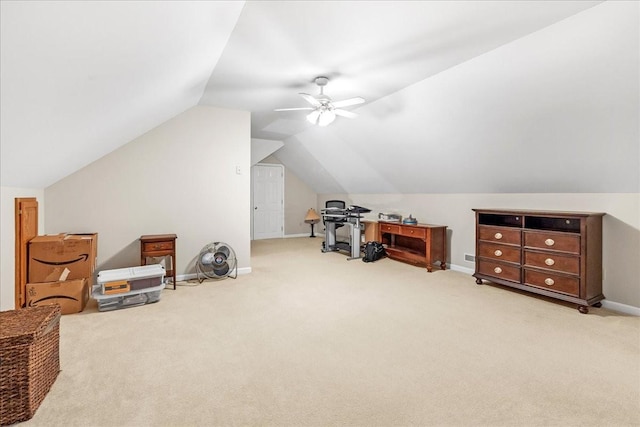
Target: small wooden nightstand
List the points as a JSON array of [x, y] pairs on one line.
[[158, 245]]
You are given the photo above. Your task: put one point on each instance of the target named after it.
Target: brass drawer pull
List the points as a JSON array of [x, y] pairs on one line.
[[549, 261], [498, 236], [497, 270], [549, 281], [498, 252], [549, 242]]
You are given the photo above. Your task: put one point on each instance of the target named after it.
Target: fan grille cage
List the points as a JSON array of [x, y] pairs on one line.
[[216, 260]]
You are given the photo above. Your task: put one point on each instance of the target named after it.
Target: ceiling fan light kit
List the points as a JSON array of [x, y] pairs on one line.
[[323, 110]]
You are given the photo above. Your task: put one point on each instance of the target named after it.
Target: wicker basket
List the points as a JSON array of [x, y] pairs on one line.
[[29, 360]]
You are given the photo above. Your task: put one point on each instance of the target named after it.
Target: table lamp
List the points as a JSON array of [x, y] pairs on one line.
[[312, 218]]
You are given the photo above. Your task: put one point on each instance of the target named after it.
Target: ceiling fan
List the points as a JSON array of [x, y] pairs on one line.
[[324, 110]]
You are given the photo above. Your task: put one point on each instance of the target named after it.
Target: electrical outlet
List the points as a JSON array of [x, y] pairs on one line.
[[238, 170]]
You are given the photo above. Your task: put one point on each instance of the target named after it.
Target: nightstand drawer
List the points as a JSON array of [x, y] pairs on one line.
[[563, 242], [509, 236], [552, 282], [553, 261], [499, 270], [157, 246], [499, 252]]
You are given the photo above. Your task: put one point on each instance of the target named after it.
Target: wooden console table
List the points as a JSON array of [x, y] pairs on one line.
[[420, 244], [159, 245]]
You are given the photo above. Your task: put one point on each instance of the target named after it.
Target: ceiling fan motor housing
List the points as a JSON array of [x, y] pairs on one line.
[[322, 81]]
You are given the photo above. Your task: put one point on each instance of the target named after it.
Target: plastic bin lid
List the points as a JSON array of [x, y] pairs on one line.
[[131, 273]]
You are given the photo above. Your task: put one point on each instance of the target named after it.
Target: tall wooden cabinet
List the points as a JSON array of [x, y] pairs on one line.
[[556, 254]]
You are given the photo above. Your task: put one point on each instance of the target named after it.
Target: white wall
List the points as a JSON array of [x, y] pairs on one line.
[[178, 178], [7, 243], [621, 226]]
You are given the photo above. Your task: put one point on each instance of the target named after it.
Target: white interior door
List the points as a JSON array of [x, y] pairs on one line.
[[268, 202]]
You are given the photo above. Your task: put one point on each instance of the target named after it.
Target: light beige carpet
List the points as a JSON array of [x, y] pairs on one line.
[[310, 338]]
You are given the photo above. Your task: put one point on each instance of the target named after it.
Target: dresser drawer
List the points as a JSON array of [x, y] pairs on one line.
[[505, 235], [499, 252], [417, 232], [552, 261], [499, 270], [157, 246], [563, 242], [389, 228], [552, 282]]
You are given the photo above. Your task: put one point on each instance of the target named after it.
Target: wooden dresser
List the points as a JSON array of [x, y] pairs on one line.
[[556, 254], [420, 244]]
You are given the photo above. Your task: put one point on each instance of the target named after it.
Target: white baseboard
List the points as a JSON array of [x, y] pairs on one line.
[[289, 236], [622, 308], [461, 269], [183, 277]]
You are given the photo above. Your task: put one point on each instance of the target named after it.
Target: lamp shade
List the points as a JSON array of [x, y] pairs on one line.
[[312, 117], [327, 117], [312, 217]]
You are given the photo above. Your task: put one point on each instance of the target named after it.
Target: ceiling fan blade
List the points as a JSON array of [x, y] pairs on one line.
[[310, 99], [294, 109], [347, 102], [345, 113]]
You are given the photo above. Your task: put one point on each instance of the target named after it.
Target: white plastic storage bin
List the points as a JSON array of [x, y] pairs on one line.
[[134, 278], [126, 299]]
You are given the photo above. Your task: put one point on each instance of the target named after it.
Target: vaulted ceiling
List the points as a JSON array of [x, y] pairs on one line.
[[464, 96]]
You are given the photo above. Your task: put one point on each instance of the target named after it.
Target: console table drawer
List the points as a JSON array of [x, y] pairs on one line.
[[504, 235], [499, 252], [389, 228], [499, 270], [552, 282], [418, 233], [553, 261]]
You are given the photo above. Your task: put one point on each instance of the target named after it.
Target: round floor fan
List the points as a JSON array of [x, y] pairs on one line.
[[216, 260]]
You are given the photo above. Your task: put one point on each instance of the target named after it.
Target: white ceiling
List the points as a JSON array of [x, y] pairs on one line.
[[452, 88], [79, 79]]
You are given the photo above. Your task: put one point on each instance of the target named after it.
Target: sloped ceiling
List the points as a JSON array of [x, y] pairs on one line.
[[79, 79], [466, 96]]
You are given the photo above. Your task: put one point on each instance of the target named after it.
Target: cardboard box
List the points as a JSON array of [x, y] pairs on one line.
[[72, 295], [61, 257]]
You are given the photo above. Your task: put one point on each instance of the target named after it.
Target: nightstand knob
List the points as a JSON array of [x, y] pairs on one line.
[[498, 252], [549, 261], [498, 236], [549, 242], [497, 270], [549, 281]]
